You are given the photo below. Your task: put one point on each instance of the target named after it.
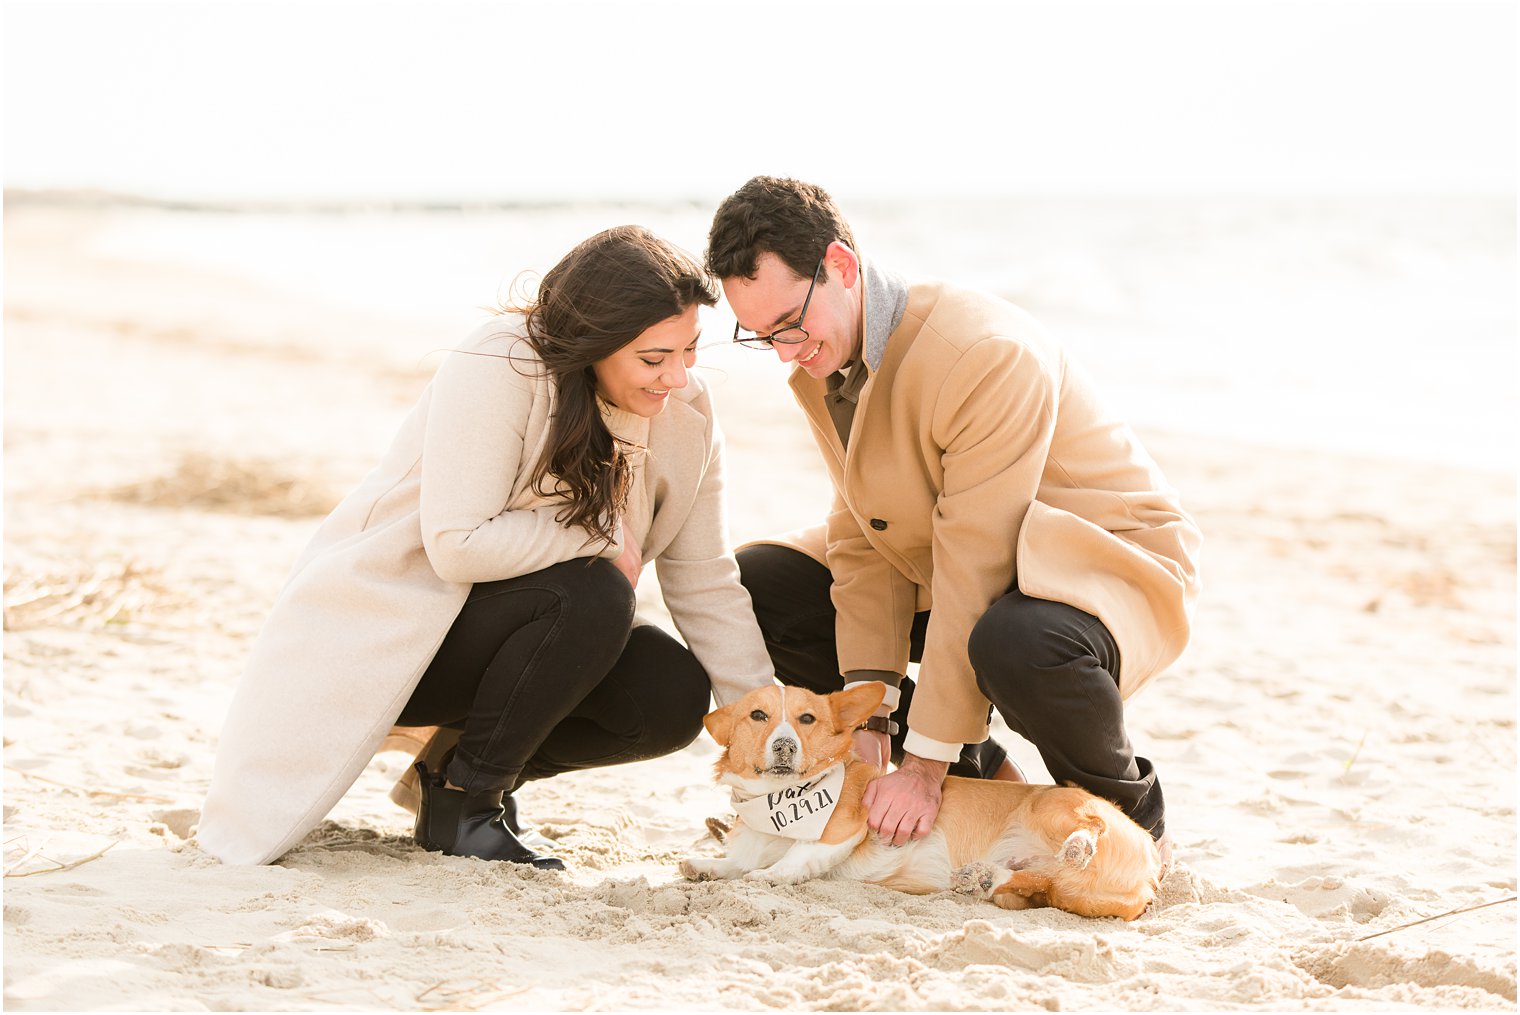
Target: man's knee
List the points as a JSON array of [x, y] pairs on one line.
[[795, 614], [757, 565], [777, 575], [1021, 644], [998, 643]]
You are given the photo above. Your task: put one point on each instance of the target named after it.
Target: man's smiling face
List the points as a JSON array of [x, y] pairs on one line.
[[774, 298]]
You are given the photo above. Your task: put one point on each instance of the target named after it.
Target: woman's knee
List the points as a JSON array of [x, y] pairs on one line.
[[675, 730], [588, 606], [592, 591], [673, 691]]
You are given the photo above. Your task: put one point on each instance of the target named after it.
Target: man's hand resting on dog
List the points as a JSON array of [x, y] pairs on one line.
[[903, 805]]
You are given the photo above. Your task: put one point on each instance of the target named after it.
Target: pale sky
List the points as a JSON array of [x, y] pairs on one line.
[[487, 101]]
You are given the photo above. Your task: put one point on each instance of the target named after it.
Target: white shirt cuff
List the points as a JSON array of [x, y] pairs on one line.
[[888, 703], [934, 750]]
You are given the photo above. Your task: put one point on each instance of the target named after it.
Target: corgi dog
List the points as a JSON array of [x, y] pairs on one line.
[[789, 758]]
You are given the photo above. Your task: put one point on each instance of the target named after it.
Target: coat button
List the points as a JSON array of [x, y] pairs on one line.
[[878, 525]]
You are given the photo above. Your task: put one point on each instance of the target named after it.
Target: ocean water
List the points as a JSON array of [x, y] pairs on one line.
[[1379, 326]]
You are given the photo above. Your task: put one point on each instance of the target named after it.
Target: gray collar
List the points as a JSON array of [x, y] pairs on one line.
[[886, 300]]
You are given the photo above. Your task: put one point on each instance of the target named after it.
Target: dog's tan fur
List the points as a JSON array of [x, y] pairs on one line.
[[1015, 844]]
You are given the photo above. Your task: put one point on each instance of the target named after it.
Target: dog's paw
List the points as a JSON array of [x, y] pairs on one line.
[[1078, 849], [776, 876], [974, 879], [696, 869]]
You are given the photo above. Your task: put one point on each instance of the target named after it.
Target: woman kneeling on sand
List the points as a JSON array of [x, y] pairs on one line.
[[481, 579]]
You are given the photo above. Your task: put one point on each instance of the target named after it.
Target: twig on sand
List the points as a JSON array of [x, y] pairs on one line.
[[60, 866], [469, 994], [30, 853], [346, 999], [91, 792], [110, 593], [1354, 754], [1454, 912]]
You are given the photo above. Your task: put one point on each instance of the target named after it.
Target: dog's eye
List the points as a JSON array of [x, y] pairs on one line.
[[806, 718], [758, 716]]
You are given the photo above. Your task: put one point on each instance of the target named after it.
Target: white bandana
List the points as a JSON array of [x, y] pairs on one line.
[[797, 812]]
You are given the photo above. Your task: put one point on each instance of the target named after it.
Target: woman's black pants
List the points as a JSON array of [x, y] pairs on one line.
[[548, 673], [1050, 670]]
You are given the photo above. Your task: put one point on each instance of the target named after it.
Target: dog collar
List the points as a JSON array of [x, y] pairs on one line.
[[796, 812]]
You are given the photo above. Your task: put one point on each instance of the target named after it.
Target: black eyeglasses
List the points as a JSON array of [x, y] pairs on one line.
[[781, 336]]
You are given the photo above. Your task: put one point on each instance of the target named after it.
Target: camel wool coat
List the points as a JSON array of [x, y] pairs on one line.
[[453, 503], [979, 457]]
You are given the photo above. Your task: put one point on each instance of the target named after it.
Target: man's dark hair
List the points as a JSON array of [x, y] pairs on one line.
[[795, 221]]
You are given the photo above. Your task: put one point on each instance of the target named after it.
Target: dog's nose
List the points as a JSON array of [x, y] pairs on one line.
[[784, 750]]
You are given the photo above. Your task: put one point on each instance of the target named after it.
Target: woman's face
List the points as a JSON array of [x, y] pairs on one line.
[[640, 376]]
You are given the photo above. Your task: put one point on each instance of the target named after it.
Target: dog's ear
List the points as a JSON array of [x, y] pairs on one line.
[[720, 724], [855, 706]]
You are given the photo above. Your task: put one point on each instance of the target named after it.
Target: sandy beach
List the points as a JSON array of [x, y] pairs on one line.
[[1338, 744]]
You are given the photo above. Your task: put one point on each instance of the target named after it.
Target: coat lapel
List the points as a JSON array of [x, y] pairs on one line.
[[809, 394]]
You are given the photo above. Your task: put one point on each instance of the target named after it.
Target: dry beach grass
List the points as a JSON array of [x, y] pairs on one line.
[[1338, 746]]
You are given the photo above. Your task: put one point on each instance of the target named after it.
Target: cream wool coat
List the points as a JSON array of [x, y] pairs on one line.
[[979, 455], [452, 503]]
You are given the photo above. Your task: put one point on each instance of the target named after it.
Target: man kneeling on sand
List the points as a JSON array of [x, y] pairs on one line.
[[992, 521]]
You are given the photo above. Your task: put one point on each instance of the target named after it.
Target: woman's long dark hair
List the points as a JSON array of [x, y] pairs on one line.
[[598, 298]]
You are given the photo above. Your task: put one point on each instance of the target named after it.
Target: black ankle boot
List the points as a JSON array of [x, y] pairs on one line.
[[457, 823], [509, 813]]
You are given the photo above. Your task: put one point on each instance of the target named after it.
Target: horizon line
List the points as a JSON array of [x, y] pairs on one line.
[[95, 197]]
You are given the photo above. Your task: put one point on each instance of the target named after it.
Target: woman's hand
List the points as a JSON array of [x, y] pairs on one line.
[[631, 560]]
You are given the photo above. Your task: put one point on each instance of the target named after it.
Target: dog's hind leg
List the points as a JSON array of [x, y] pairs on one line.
[[1073, 818], [1013, 900], [1024, 889], [1079, 848]]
